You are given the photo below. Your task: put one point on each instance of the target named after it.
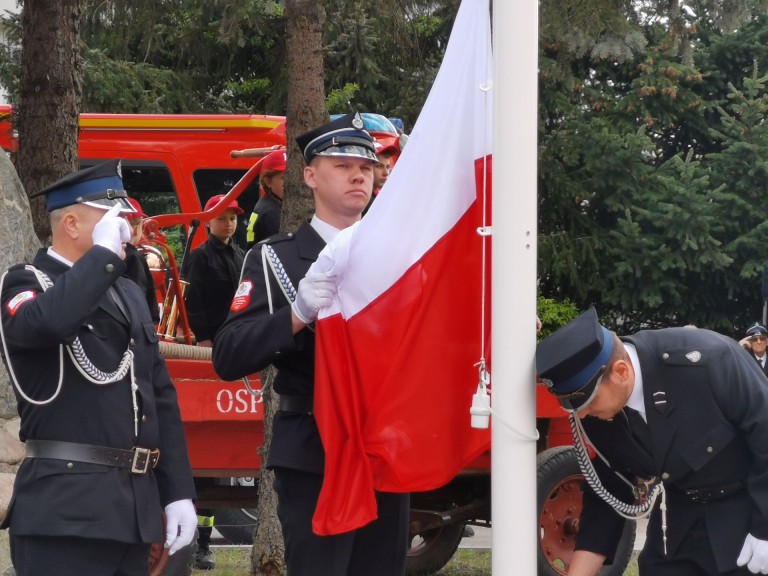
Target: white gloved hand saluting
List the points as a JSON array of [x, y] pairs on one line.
[[754, 554], [315, 292], [180, 524], [112, 231]]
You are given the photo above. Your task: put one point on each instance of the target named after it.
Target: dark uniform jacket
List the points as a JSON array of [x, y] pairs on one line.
[[253, 338], [707, 410], [53, 497], [137, 269], [764, 368], [212, 272], [265, 219]]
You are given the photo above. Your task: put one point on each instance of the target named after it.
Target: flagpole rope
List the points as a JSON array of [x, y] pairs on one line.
[[481, 401]]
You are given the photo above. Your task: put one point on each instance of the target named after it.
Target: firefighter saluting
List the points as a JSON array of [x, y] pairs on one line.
[[105, 449]]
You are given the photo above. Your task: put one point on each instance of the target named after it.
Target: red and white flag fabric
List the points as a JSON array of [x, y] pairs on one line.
[[397, 352]]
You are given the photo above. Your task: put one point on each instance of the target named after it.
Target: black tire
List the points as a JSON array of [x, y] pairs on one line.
[[558, 482], [236, 524], [428, 552]]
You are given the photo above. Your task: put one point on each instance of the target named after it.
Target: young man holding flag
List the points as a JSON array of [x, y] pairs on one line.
[[270, 322]]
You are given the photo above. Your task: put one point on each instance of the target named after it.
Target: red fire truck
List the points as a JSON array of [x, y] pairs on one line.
[[172, 164]]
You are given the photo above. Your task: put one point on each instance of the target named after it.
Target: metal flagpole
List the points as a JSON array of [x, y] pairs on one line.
[[513, 341]]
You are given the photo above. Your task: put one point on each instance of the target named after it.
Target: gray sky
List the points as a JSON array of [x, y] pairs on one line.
[[8, 5]]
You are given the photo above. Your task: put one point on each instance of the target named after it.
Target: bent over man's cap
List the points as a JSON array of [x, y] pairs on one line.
[[100, 186], [571, 361], [345, 136], [757, 330]]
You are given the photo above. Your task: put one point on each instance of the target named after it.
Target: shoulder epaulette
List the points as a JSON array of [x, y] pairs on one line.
[[282, 237], [16, 267]]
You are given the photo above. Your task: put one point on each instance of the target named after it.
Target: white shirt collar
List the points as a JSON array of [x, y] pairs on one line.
[[636, 400], [53, 254], [325, 230]]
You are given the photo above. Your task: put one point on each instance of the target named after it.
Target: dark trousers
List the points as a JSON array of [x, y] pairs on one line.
[[692, 558], [377, 549], [72, 556]]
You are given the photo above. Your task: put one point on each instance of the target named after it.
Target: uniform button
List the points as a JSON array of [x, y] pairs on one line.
[[90, 327], [70, 465], [665, 356], [133, 342], [710, 449], [290, 234], [143, 418], [665, 475], [109, 268]]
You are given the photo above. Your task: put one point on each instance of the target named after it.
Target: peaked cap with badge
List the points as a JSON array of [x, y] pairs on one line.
[[345, 136], [571, 361], [100, 186], [756, 330]]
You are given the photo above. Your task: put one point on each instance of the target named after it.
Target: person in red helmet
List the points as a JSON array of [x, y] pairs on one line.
[[213, 272], [265, 218]]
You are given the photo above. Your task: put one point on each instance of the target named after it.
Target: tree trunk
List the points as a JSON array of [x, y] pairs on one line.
[[306, 100], [267, 554], [51, 88], [306, 110]]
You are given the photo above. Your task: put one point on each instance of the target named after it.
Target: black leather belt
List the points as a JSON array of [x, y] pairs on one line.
[[138, 460], [713, 493], [299, 404]]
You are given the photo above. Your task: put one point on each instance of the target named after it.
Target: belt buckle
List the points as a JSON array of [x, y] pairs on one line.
[[140, 463]]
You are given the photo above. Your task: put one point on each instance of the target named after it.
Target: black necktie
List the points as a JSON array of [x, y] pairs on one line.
[[638, 427], [114, 297]]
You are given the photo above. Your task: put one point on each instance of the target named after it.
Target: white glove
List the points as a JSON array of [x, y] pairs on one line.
[[112, 231], [754, 554], [180, 524], [315, 291]]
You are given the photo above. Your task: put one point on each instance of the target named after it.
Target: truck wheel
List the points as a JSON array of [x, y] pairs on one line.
[[236, 524], [429, 551], [558, 483]]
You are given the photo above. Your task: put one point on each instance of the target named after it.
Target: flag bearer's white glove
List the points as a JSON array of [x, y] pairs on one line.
[[315, 292], [754, 554], [112, 231], [180, 524]]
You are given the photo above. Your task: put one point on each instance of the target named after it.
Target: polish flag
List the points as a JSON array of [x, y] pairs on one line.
[[397, 353]]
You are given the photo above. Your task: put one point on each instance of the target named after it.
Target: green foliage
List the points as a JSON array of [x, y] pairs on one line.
[[554, 314], [339, 99], [652, 186], [120, 86], [216, 56]]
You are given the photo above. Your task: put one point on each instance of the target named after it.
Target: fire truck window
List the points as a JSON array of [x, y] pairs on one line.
[[210, 182]]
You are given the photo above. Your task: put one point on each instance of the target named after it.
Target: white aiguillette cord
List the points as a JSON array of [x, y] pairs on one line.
[[629, 511], [79, 358]]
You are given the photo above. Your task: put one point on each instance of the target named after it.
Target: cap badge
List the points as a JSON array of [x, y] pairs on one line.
[[547, 382], [694, 356], [357, 122]]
